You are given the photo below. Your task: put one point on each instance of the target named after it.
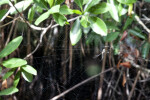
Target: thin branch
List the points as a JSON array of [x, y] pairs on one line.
[[40, 41], [141, 23], [42, 28], [133, 87], [137, 66], [79, 84], [102, 76]]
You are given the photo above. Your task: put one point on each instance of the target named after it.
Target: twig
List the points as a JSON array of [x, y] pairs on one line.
[[142, 24], [133, 87], [42, 28], [137, 66], [40, 41], [79, 84], [102, 76]]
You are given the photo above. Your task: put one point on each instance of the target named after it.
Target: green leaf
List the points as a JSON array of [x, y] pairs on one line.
[[29, 69], [77, 12], [127, 1], [65, 10], [138, 34], [128, 22], [4, 2], [84, 21], [99, 8], [85, 2], [27, 76], [98, 26], [20, 6], [40, 3], [76, 32], [57, 2], [9, 73], [11, 47], [122, 11], [86, 30], [90, 4], [112, 36], [79, 3], [50, 2], [114, 11], [31, 13], [14, 62], [9, 91], [60, 19], [111, 25], [145, 49], [2, 13], [54, 9], [17, 79]]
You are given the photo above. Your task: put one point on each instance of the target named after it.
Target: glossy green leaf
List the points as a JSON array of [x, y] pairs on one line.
[[57, 2], [90, 4], [31, 13], [27, 76], [112, 36], [4, 2], [14, 62], [20, 6], [41, 3], [98, 26], [99, 8], [60, 19], [2, 13], [114, 10], [54, 9], [65, 10], [17, 79], [84, 21], [50, 2], [13, 45], [85, 2], [145, 49], [9, 91], [122, 11], [29, 69], [77, 12], [128, 22], [127, 1], [8, 74], [138, 34], [79, 3], [76, 32], [86, 30]]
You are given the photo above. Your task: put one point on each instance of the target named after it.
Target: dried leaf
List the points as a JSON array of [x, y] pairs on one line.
[[124, 35], [124, 80], [4, 85], [136, 53], [126, 64], [118, 65]]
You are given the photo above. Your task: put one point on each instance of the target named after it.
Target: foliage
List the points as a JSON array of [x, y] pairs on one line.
[[14, 64], [94, 16]]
